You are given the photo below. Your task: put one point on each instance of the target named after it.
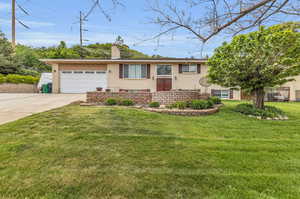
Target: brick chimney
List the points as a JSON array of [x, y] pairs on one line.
[[115, 52]]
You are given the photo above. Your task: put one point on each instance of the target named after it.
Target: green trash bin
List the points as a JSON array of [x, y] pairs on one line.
[[45, 88]]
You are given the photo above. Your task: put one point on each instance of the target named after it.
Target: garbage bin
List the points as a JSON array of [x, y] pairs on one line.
[[45, 88]]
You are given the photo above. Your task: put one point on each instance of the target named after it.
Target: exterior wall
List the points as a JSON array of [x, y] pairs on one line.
[[169, 97], [294, 86], [191, 81], [185, 81], [57, 68], [115, 83], [18, 88], [139, 98], [55, 78]]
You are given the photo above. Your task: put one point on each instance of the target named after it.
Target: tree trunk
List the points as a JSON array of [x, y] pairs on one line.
[[259, 98]]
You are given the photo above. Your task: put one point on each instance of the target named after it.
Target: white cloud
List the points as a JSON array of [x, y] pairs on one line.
[[4, 6]]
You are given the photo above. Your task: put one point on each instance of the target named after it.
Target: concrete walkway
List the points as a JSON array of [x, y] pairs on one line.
[[16, 106]]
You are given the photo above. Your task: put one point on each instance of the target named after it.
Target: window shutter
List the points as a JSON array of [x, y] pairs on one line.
[[180, 68], [198, 68], [148, 71], [121, 71], [231, 94]]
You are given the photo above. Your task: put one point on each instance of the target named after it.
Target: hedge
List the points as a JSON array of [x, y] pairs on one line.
[[18, 79]]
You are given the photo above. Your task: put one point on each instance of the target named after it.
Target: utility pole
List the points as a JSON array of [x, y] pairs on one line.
[[13, 24], [82, 19], [81, 29]]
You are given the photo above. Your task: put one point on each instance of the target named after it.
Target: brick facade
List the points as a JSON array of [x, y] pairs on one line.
[[164, 97], [169, 97], [138, 98]]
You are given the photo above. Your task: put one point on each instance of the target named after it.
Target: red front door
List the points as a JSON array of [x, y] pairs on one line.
[[164, 84]]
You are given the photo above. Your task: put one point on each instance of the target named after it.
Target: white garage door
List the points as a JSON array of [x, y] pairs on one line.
[[79, 81]]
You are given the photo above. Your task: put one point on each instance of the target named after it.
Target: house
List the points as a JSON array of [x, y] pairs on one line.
[[133, 75], [144, 75]]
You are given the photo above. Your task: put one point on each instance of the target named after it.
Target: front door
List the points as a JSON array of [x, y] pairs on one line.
[[164, 84], [164, 77]]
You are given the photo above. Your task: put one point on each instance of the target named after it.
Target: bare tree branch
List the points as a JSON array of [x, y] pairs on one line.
[[211, 17]]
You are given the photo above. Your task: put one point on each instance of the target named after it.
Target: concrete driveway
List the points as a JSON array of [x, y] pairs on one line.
[[16, 106]]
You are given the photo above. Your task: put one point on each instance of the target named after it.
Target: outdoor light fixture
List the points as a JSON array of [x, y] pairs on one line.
[[175, 77], [152, 77]]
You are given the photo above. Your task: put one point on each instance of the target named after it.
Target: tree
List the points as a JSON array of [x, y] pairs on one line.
[[206, 19], [7, 65], [252, 62]]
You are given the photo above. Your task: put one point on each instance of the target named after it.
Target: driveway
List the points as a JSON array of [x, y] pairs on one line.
[[16, 106]]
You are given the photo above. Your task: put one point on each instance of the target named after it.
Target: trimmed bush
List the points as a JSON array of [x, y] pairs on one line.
[[154, 105], [268, 112], [201, 104], [18, 79], [126, 102], [179, 105], [111, 102], [215, 100]]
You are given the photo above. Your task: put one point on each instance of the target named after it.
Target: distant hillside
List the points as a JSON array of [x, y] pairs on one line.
[[99, 51], [25, 59], [29, 64]]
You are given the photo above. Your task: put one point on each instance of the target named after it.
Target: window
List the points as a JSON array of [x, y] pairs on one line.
[[67, 72], [100, 72], [135, 71], [222, 94], [78, 72], [89, 72], [189, 67], [164, 70]]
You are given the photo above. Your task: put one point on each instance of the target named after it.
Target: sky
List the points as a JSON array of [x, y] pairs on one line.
[[52, 21]]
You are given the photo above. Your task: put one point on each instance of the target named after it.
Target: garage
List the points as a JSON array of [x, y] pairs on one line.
[[82, 81]]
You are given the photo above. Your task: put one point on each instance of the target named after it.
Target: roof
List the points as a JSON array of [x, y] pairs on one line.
[[106, 61]]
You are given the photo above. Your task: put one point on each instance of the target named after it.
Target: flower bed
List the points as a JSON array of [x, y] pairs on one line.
[[187, 108], [185, 112], [269, 113]]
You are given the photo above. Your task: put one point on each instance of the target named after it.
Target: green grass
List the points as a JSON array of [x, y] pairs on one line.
[[94, 152]]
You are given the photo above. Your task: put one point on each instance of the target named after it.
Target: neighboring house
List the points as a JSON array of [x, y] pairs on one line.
[[134, 75]]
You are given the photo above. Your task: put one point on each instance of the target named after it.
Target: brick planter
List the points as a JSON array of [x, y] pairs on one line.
[[169, 97], [100, 97], [164, 97]]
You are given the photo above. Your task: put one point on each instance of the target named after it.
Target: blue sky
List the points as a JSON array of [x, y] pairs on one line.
[[53, 21]]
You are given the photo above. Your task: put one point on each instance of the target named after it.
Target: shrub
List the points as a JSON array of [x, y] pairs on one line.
[[201, 104], [179, 105], [111, 102], [215, 100], [2, 79], [127, 102], [154, 105], [18, 79], [268, 112]]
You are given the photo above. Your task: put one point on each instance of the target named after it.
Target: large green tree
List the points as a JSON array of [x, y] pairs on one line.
[[252, 62], [7, 65]]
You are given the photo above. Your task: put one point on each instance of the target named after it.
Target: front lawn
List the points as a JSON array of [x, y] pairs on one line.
[[94, 152]]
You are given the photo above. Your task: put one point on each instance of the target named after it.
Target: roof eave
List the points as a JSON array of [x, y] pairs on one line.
[[95, 61]]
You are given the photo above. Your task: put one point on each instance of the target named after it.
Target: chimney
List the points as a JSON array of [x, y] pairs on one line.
[[115, 52]]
